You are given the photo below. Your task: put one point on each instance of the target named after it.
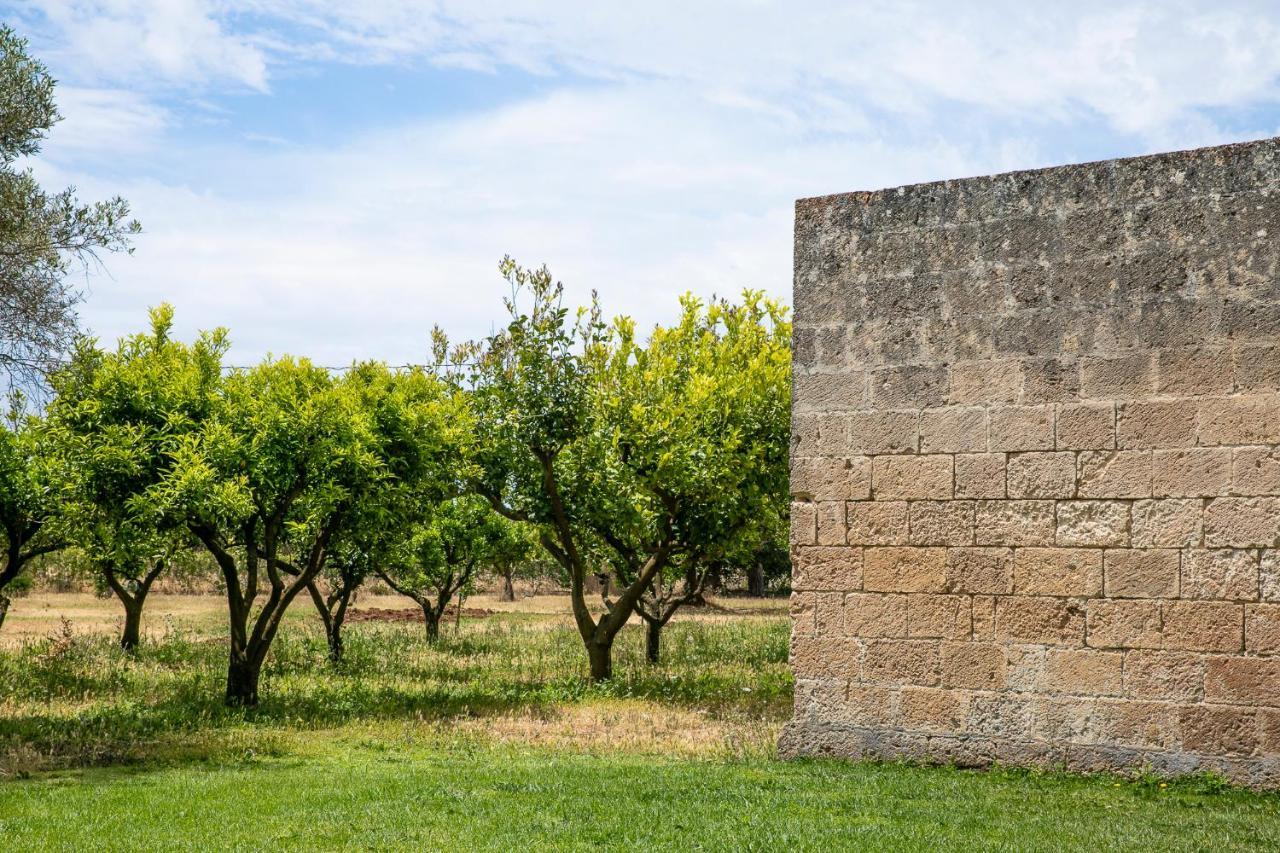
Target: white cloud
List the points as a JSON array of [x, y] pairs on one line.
[[148, 43], [641, 192], [104, 122]]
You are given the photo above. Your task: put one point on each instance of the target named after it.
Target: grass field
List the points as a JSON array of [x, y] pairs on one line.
[[493, 740]]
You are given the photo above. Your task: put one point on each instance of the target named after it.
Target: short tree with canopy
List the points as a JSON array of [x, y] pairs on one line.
[[118, 417], [586, 442], [440, 561]]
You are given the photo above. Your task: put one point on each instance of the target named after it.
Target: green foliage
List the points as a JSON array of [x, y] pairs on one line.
[[42, 235], [119, 418], [32, 476], [440, 558], [650, 457], [692, 435]]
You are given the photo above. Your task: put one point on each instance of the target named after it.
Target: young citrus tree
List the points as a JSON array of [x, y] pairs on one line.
[[424, 422], [118, 417], [634, 455], [271, 478], [441, 559], [31, 478], [700, 412]]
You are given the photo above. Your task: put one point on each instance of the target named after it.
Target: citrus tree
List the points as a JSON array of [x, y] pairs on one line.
[[637, 456], [118, 418], [31, 478], [699, 413], [441, 559], [424, 424]]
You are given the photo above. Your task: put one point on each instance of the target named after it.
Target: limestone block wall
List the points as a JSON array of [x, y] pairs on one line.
[[1036, 468]]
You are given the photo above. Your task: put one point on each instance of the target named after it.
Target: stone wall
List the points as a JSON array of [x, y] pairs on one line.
[[1036, 468]]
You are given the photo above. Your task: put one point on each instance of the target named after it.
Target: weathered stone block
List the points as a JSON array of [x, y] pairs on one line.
[[1114, 474], [904, 569], [816, 434], [1256, 369], [883, 432], [941, 522], [829, 392], [1127, 377], [1262, 629], [1086, 426], [804, 523], [1238, 420], [1255, 471], [1224, 573], [1150, 424], [1242, 522], [1122, 624], [909, 387], [1269, 575], [878, 523], [1196, 472], [1141, 572], [828, 478], [826, 568], [1176, 676], [1057, 571], [980, 475], [911, 478], [1029, 619], [1083, 672], [953, 430], [875, 615], [1093, 523], [973, 666], [1218, 730], [1203, 626], [1167, 523], [947, 617], [1021, 428], [1041, 475], [831, 523], [1242, 681], [1014, 522], [930, 709], [980, 570], [826, 657], [1194, 372], [1050, 380], [902, 662], [985, 382]]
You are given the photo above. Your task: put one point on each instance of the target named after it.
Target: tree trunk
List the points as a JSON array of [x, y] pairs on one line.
[[600, 654], [132, 634], [431, 620], [508, 587], [755, 580], [242, 681], [652, 640], [5, 601], [333, 632]]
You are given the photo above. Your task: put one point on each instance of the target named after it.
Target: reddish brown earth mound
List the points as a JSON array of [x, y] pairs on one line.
[[389, 614]]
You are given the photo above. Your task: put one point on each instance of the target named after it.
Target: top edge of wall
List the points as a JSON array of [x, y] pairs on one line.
[[1228, 159]]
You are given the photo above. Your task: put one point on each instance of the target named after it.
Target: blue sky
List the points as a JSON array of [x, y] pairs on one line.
[[332, 179]]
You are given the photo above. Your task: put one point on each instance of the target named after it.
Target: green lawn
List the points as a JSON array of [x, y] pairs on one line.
[[494, 798], [493, 739]]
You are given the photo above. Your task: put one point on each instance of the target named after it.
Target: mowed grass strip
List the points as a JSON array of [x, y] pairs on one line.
[[478, 797]]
